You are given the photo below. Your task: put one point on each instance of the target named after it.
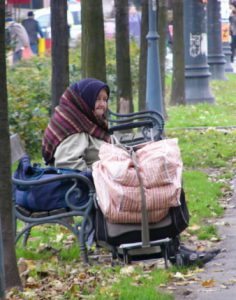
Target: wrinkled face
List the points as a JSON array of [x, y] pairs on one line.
[[101, 105]]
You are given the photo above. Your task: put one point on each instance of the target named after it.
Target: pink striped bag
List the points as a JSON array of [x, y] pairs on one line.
[[118, 187]]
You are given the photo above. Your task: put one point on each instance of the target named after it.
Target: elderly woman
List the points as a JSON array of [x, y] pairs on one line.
[[75, 133], [78, 126]]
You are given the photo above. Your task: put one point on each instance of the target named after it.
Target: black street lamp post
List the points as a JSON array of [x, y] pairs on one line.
[[154, 99], [216, 58], [197, 73]]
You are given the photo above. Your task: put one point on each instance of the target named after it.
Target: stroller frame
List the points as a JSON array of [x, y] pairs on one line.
[[134, 129]]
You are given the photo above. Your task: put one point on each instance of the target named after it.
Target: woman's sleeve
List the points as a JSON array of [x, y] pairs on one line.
[[71, 152]]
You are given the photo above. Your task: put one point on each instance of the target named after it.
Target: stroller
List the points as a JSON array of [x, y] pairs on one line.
[[131, 242]]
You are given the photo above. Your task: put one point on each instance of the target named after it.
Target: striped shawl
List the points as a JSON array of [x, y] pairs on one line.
[[72, 115]]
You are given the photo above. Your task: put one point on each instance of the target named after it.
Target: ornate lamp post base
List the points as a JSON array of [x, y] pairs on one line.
[[197, 84], [227, 53], [197, 73], [216, 59]]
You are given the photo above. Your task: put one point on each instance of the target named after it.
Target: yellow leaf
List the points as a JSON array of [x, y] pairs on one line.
[[103, 290], [208, 283], [82, 276], [201, 248], [194, 227]]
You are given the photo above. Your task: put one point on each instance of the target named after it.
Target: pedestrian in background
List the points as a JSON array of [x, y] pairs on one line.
[[34, 30], [232, 21], [19, 38], [134, 24]]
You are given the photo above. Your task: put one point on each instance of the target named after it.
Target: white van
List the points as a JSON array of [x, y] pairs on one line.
[[43, 16]]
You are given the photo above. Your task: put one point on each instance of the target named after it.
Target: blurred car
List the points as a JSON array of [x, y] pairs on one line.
[[43, 16]]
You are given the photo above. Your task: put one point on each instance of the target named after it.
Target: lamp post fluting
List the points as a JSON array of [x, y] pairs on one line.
[[216, 58], [154, 99]]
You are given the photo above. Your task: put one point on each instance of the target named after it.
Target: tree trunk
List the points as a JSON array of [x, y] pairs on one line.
[[143, 56], [60, 51], [162, 29], [124, 84], [178, 87], [93, 43], [84, 35], [8, 265]]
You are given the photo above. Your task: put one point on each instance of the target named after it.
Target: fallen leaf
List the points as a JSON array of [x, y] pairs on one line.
[[22, 265], [58, 285], [233, 280], [59, 237], [201, 248], [82, 276], [224, 286], [103, 290], [208, 283], [182, 283], [215, 239], [127, 270], [171, 288], [178, 275], [194, 227]]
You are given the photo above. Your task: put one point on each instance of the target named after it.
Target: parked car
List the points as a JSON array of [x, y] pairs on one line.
[[43, 16]]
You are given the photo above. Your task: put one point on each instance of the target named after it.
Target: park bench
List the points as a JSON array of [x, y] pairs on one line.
[[130, 129], [67, 217]]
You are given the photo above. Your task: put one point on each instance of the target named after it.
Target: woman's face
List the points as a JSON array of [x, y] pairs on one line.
[[101, 105]]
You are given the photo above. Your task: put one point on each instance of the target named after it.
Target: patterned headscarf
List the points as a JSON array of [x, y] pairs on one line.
[[89, 89], [74, 114]]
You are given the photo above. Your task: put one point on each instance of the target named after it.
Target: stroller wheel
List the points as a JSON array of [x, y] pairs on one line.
[[179, 260], [173, 251]]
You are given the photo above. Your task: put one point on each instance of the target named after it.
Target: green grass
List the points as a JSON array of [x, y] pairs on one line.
[[202, 195], [135, 286], [47, 240], [222, 113], [206, 149]]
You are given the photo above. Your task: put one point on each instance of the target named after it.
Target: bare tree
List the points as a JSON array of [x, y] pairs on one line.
[[143, 56], [93, 42], [8, 264], [60, 51], [162, 29], [177, 92], [124, 83]]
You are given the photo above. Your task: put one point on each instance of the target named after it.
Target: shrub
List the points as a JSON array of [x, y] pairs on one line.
[[29, 101]]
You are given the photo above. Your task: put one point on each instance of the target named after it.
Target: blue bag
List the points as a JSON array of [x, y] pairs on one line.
[[47, 196]]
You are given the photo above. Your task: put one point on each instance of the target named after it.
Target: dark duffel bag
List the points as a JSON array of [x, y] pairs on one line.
[[47, 196]]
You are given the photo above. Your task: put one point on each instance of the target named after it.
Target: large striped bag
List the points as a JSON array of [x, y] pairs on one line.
[[123, 175]]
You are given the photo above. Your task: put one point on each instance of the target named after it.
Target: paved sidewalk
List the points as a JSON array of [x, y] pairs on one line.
[[220, 272]]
